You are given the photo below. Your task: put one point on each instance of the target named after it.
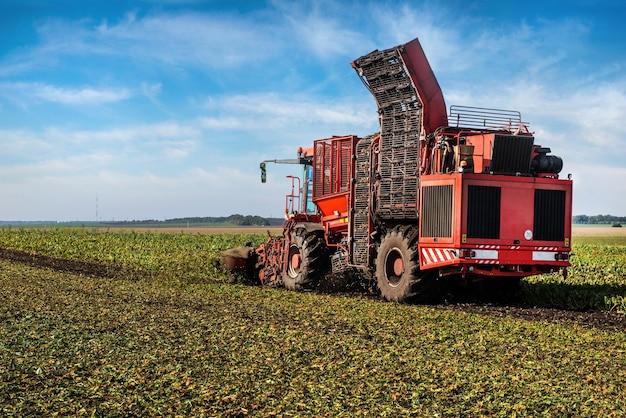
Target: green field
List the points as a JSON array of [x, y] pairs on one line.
[[596, 280], [160, 331]]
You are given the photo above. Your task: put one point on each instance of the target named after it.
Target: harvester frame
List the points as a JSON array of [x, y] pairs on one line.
[[465, 193]]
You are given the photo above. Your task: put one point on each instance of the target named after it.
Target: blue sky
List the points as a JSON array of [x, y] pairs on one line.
[[164, 109]]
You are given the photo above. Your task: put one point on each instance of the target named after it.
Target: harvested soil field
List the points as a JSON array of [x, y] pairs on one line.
[[72, 344], [597, 231], [601, 320], [596, 280], [61, 264]]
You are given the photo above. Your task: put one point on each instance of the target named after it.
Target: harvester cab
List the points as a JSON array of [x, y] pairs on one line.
[[464, 193]]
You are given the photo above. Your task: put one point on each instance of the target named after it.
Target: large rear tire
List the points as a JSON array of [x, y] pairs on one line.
[[398, 275], [306, 260]]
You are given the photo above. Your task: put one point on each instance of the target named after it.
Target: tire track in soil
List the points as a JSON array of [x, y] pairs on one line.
[[486, 305], [85, 268], [608, 321], [604, 320]]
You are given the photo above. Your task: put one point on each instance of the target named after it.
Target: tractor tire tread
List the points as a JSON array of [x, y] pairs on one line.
[[414, 284], [312, 248]]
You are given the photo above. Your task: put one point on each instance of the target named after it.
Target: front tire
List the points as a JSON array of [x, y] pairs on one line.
[[305, 260], [398, 275]]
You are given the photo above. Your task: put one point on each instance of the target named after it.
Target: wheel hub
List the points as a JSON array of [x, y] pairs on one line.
[[394, 266], [398, 266], [295, 260]]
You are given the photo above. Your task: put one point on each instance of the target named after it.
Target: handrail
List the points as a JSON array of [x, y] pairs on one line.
[[484, 118]]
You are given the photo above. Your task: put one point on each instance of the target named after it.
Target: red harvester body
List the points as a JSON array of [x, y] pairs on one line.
[[464, 193]]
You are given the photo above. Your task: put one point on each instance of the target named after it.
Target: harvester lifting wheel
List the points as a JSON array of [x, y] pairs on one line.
[[398, 275], [305, 260]]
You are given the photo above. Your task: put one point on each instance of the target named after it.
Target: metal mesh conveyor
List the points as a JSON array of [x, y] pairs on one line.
[[360, 216], [385, 75]]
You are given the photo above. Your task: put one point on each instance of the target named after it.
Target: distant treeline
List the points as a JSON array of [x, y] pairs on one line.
[[234, 220], [237, 220], [599, 219]]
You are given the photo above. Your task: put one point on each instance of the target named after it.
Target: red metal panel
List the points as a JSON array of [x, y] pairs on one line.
[[425, 82], [332, 171], [517, 207], [332, 165], [482, 150], [333, 203], [516, 214], [516, 211]]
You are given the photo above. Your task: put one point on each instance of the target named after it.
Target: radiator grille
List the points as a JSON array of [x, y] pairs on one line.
[[483, 212], [511, 154], [437, 211], [549, 224]]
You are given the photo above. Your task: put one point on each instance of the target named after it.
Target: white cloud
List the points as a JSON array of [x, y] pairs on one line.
[[22, 142], [207, 40], [599, 189], [78, 163], [270, 110], [224, 123], [192, 192], [592, 114], [455, 44], [67, 165], [264, 117], [324, 28], [138, 133], [398, 25], [63, 95], [327, 37], [176, 152], [178, 149], [80, 96], [65, 152], [580, 117]]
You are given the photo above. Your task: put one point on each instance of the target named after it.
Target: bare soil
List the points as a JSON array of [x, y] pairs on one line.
[[593, 319], [60, 264], [597, 231]]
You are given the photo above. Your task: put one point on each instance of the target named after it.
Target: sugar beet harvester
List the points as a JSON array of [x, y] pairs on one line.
[[464, 194]]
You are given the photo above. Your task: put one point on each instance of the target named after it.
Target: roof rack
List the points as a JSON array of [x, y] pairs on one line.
[[485, 118]]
